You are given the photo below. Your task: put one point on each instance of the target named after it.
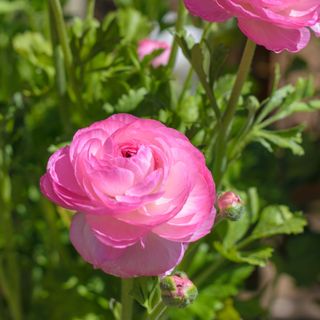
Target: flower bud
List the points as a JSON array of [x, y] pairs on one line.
[[177, 290], [230, 206]]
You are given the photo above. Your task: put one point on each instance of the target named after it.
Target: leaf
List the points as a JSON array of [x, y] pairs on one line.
[[236, 230], [289, 138], [7, 7], [298, 106], [228, 312], [146, 291], [258, 257], [133, 25], [36, 49], [253, 204], [276, 220], [130, 101], [275, 101]]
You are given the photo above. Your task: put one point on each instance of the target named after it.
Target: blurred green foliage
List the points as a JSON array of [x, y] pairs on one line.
[[43, 102]]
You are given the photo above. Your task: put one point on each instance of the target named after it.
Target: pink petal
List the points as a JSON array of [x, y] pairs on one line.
[[274, 38], [151, 256], [209, 10], [195, 219], [61, 171], [113, 232]]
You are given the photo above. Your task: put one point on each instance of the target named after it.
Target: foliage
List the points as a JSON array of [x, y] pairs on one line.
[[44, 100]]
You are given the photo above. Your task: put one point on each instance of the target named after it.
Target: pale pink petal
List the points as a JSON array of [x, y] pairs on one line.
[[151, 256], [88, 246], [195, 219], [114, 232], [274, 38]]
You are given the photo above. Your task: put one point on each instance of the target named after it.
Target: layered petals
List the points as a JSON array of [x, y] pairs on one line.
[[277, 25], [142, 190]]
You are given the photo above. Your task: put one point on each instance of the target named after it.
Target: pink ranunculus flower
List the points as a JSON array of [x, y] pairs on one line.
[[275, 24], [148, 46], [141, 190]]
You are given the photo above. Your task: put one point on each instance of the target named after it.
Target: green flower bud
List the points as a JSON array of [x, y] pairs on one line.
[[177, 290], [230, 206]]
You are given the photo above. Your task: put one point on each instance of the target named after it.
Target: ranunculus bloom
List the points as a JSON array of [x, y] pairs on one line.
[[141, 190], [275, 24], [148, 46]]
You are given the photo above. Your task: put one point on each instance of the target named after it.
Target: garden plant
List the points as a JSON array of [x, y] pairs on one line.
[[127, 147]]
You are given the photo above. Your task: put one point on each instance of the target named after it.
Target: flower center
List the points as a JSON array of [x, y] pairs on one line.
[[129, 151]]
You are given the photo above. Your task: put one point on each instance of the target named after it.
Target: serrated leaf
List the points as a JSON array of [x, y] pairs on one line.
[[131, 101], [258, 257], [36, 49], [298, 106], [275, 101], [275, 220], [133, 25], [289, 138]]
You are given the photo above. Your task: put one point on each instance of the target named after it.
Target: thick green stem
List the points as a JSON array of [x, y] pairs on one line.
[[182, 13], [126, 299], [226, 123]]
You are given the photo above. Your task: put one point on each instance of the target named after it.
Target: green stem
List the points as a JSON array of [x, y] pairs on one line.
[[90, 9], [59, 73], [226, 123], [126, 299], [9, 268], [203, 277], [186, 86], [158, 311], [182, 13], [62, 32]]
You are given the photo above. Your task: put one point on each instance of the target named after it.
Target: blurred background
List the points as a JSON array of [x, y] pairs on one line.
[[50, 279]]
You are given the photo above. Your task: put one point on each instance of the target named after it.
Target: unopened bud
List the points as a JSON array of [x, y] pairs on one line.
[[177, 290], [230, 206]]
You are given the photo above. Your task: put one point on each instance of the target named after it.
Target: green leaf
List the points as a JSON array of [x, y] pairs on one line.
[[276, 220], [133, 25], [228, 312], [236, 230], [289, 138], [36, 49], [275, 101], [298, 106], [7, 7], [253, 204], [130, 101], [146, 291], [258, 257]]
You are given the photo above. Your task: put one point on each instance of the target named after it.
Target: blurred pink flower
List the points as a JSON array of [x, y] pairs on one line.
[[275, 24], [142, 192], [148, 46]]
